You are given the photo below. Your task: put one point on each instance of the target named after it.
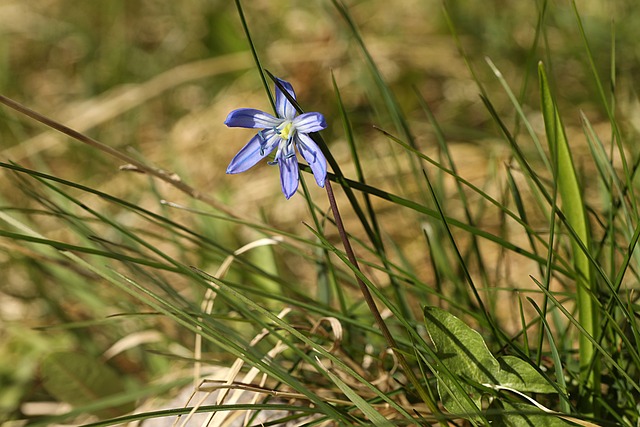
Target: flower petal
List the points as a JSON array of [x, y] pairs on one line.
[[256, 149], [313, 155], [309, 122], [272, 139], [284, 108], [251, 118], [289, 175]]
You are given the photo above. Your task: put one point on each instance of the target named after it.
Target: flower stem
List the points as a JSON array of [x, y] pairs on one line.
[[366, 293]]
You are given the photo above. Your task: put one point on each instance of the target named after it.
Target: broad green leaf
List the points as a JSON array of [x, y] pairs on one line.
[[513, 414], [520, 375], [465, 363], [573, 208], [79, 379]]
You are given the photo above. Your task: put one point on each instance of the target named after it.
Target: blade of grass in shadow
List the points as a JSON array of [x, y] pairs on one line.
[[390, 102], [565, 405], [444, 270], [524, 329], [606, 356], [532, 58], [497, 333], [329, 275], [635, 331], [573, 208], [522, 213], [548, 272], [438, 276], [444, 148], [603, 99]]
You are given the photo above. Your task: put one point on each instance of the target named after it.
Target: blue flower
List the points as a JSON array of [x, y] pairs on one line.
[[282, 132]]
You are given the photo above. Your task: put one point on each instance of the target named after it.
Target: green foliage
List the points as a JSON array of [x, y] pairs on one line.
[[515, 414], [465, 367], [573, 208], [506, 270], [369, 411]]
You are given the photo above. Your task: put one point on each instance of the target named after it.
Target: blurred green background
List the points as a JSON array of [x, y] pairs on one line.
[[156, 79]]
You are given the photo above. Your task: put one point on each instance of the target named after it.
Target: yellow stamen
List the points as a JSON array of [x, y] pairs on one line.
[[285, 132]]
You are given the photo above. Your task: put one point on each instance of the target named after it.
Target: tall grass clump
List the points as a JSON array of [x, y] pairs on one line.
[[455, 245]]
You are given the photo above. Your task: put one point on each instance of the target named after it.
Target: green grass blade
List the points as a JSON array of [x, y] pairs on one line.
[[369, 411], [451, 221], [378, 243], [565, 405], [387, 95], [603, 96], [573, 209], [478, 299], [259, 310], [62, 246], [606, 356], [254, 53], [201, 409], [521, 115], [444, 148], [468, 227]]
